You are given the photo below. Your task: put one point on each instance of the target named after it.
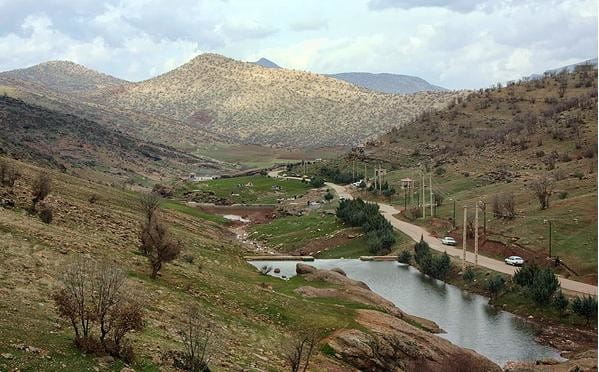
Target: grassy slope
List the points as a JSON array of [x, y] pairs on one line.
[[260, 193], [252, 322]]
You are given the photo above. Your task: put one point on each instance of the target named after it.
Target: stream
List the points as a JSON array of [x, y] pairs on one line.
[[466, 317]]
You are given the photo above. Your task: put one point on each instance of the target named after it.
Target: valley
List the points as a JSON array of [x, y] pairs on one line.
[[209, 214]]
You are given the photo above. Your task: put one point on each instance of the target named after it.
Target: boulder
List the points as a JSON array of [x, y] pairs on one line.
[[339, 270], [392, 344]]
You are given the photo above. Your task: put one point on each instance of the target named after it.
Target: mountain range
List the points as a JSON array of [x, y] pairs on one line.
[[382, 82]]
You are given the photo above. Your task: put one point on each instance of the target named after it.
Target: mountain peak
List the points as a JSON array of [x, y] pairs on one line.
[[266, 63], [64, 77]]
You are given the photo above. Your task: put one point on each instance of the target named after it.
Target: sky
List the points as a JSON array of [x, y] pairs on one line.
[[458, 44]]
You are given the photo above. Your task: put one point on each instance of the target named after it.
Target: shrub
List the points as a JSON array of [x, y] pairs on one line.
[[441, 265], [40, 188], [561, 302], [586, 307], [93, 198], [525, 275], [8, 174], [544, 285], [316, 182], [196, 333], [440, 171], [578, 175], [300, 349], [494, 285], [328, 196], [468, 275], [94, 296], [405, 257], [46, 214], [562, 194], [388, 192]]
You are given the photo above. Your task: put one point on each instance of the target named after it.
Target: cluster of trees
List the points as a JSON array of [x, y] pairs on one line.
[[379, 232], [436, 266], [385, 189], [336, 175], [543, 287]]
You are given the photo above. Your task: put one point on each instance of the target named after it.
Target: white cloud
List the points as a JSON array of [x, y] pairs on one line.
[[458, 43]]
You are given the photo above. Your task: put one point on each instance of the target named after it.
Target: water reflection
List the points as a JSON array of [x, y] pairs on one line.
[[466, 317]]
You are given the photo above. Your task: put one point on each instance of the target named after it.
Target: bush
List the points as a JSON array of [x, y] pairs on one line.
[[544, 285], [405, 257], [560, 302], [586, 307], [441, 266], [328, 196], [93, 198], [494, 285], [189, 258], [157, 244], [94, 299], [524, 276], [388, 192], [8, 174], [196, 333], [316, 182], [46, 214], [265, 269], [562, 194], [468, 275], [40, 188], [440, 171]]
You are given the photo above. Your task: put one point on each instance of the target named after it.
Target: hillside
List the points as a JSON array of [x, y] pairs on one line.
[[388, 83], [252, 104], [64, 77], [501, 141], [82, 146], [253, 319]]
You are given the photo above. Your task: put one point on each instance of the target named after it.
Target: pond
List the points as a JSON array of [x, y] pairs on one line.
[[466, 317]]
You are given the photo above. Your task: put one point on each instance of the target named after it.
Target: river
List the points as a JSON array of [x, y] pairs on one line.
[[466, 317]]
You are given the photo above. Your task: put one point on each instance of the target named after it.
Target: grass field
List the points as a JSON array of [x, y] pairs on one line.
[[253, 189], [195, 212], [292, 232]]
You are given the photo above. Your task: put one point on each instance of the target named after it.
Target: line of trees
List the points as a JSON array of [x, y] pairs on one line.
[[380, 236]]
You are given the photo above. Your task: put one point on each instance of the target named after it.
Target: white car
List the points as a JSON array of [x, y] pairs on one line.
[[514, 261], [448, 240]]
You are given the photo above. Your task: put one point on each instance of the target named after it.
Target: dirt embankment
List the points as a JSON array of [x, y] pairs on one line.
[[391, 340]]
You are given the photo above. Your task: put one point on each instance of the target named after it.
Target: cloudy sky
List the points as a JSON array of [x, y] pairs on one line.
[[453, 43]]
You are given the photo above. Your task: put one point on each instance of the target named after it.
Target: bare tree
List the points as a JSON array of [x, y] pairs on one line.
[[301, 348], [40, 188], [8, 173], [94, 294], [157, 244], [504, 205], [149, 203], [542, 188], [196, 333]]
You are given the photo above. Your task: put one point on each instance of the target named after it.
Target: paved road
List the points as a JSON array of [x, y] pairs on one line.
[[416, 232]]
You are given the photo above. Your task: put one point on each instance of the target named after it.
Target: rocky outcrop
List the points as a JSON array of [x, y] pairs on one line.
[[388, 339], [581, 362], [391, 344]]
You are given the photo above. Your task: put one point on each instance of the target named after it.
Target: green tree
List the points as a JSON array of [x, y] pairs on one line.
[[544, 285], [494, 285], [405, 257], [524, 276], [586, 307], [561, 302], [441, 266], [316, 182]]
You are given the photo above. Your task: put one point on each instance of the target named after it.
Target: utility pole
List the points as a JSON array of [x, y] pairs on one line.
[[423, 199], [476, 236], [549, 238], [430, 183], [405, 199], [453, 213], [464, 236]]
